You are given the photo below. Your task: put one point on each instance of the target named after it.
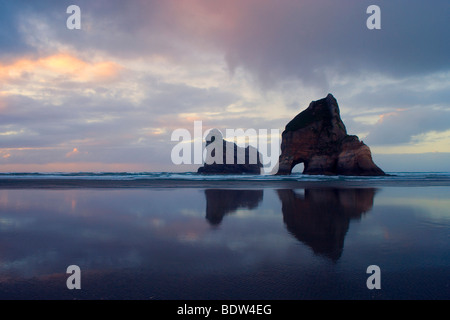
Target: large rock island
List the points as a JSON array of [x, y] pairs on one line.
[[317, 137]]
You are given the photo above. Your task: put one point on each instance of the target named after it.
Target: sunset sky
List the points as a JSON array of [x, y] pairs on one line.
[[107, 97]]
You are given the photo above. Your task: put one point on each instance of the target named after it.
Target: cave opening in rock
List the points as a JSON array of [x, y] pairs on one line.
[[298, 168]]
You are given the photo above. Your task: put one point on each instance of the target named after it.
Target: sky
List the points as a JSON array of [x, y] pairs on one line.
[[108, 96]]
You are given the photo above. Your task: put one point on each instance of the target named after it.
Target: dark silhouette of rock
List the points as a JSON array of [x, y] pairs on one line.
[[232, 160], [220, 202], [320, 218], [317, 137]]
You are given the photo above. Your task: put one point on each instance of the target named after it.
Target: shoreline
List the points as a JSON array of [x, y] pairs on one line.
[[202, 184]]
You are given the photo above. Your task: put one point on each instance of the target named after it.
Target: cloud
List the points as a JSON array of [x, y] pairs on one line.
[[273, 40], [137, 70], [309, 39], [401, 126], [72, 153], [56, 67], [5, 155], [413, 162]]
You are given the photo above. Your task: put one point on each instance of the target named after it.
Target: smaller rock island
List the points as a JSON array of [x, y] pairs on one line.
[[232, 160], [317, 137]]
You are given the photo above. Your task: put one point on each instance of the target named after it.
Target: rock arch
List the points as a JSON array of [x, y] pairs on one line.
[[317, 137]]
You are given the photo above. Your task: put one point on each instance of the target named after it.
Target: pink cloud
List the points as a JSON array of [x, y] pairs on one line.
[[72, 153]]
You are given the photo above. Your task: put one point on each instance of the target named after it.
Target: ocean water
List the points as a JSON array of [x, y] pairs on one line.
[[186, 176], [281, 242]]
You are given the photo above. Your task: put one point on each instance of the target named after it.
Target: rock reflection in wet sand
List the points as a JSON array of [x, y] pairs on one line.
[[320, 218], [220, 202]]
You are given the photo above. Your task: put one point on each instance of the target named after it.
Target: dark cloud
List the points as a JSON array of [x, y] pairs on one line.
[[11, 41], [305, 40], [274, 40]]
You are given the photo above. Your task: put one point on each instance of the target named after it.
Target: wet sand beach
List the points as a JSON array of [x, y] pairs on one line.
[[174, 238]]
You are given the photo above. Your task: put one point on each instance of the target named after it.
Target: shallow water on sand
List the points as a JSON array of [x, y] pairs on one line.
[[202, 243]]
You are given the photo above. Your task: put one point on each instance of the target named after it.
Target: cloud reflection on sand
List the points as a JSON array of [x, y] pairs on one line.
[[242, 243]]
